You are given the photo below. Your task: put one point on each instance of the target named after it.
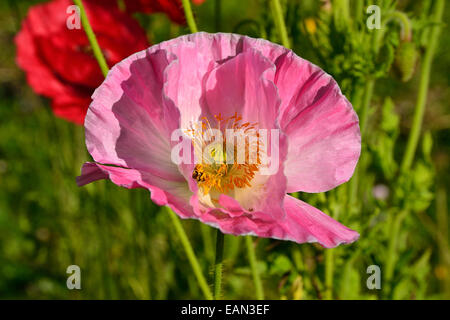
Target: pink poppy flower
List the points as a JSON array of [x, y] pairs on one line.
[[213, 79]]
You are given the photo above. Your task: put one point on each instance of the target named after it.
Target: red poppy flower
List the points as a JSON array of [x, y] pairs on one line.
[[58, 61]]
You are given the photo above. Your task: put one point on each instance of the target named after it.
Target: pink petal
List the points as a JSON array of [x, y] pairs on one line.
[[321, 125], [230, 219], [130, 120], [211, 47], [222, 46], [174, 194], [233, 208], [185, 79], [296, 79], [243, 85], [267, 199], [303, 223], [129, 124], [197, 55]]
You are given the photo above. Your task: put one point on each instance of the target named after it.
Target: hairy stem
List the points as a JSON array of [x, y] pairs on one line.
[[253, 266], [189, 16], [190, 254], [98, 54], [368, 93], [392, 246], [402, 18], [218, 265], [364, 115], [419, 110], [207, 242]]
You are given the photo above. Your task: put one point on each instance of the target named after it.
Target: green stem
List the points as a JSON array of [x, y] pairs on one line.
[[353, 190], [329, 270], [392, 246], [190, 254], [207, 242], [364, 115], [366, 98], [189, 16], [405, 23], [279, 22], [218, 265], [423, 89], [341, 12], [359, 10], [98, 54], [254, 268], [368, 93]]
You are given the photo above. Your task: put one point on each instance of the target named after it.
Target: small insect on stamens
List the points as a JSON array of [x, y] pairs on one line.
[[198, 175]]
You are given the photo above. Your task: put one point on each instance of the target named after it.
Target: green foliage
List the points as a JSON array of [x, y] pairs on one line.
[[385, 139]]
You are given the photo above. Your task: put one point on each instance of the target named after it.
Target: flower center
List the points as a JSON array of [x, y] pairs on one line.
[[214, 172]]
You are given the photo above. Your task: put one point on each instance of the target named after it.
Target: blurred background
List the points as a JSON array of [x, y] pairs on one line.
[[126, 246]]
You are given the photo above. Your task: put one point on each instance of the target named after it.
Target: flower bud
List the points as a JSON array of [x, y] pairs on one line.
[[406, 60]]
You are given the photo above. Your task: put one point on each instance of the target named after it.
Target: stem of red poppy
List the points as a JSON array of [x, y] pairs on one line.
[[279, 22], [254, 268], [218, 264], [190, 254], [189, 16], [98, 54]]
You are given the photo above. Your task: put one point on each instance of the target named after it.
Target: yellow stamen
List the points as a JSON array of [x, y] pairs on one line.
[[216, 174]]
